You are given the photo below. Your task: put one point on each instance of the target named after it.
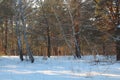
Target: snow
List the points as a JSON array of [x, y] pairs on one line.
[[59, 68]]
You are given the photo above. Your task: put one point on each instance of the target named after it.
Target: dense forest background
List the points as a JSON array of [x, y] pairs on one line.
[[59, 27]]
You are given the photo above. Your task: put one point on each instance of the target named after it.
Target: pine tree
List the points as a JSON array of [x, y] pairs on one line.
[[107, 14]]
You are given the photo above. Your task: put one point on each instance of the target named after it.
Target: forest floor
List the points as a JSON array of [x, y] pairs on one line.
[[60, 68]]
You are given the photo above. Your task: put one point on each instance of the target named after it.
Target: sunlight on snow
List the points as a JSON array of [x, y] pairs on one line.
[[60, 68], [52, 72], [10, 66]]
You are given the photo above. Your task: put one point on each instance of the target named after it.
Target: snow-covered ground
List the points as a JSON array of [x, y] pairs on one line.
[[58, 68]]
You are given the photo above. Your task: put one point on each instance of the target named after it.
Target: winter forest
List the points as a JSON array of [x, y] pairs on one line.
[[60, 39]]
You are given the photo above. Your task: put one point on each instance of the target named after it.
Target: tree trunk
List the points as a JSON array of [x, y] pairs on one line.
[[20, 48], [2, 42], [75, 28], [19, 40], [12, 44], [18, 33], [48, 32], [55, 50], [29, 52], [104, 49], [118, 43], [117, 16], [118, 50], [77, 47], [49, 42], [6, 33]]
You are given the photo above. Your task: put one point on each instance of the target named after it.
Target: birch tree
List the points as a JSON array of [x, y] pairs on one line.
[[74, 13], [21, 27]]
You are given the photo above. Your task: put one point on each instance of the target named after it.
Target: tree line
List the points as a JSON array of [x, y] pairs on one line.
[[59, 27]]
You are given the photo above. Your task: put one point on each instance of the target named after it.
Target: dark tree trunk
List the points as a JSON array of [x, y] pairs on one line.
[[49, 42], [48, 38], [2, 43], [6, 33], [118, 44], [104, 49], [117, 16], [76, 19], [48, 33], [77, 47], [118, 50]]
